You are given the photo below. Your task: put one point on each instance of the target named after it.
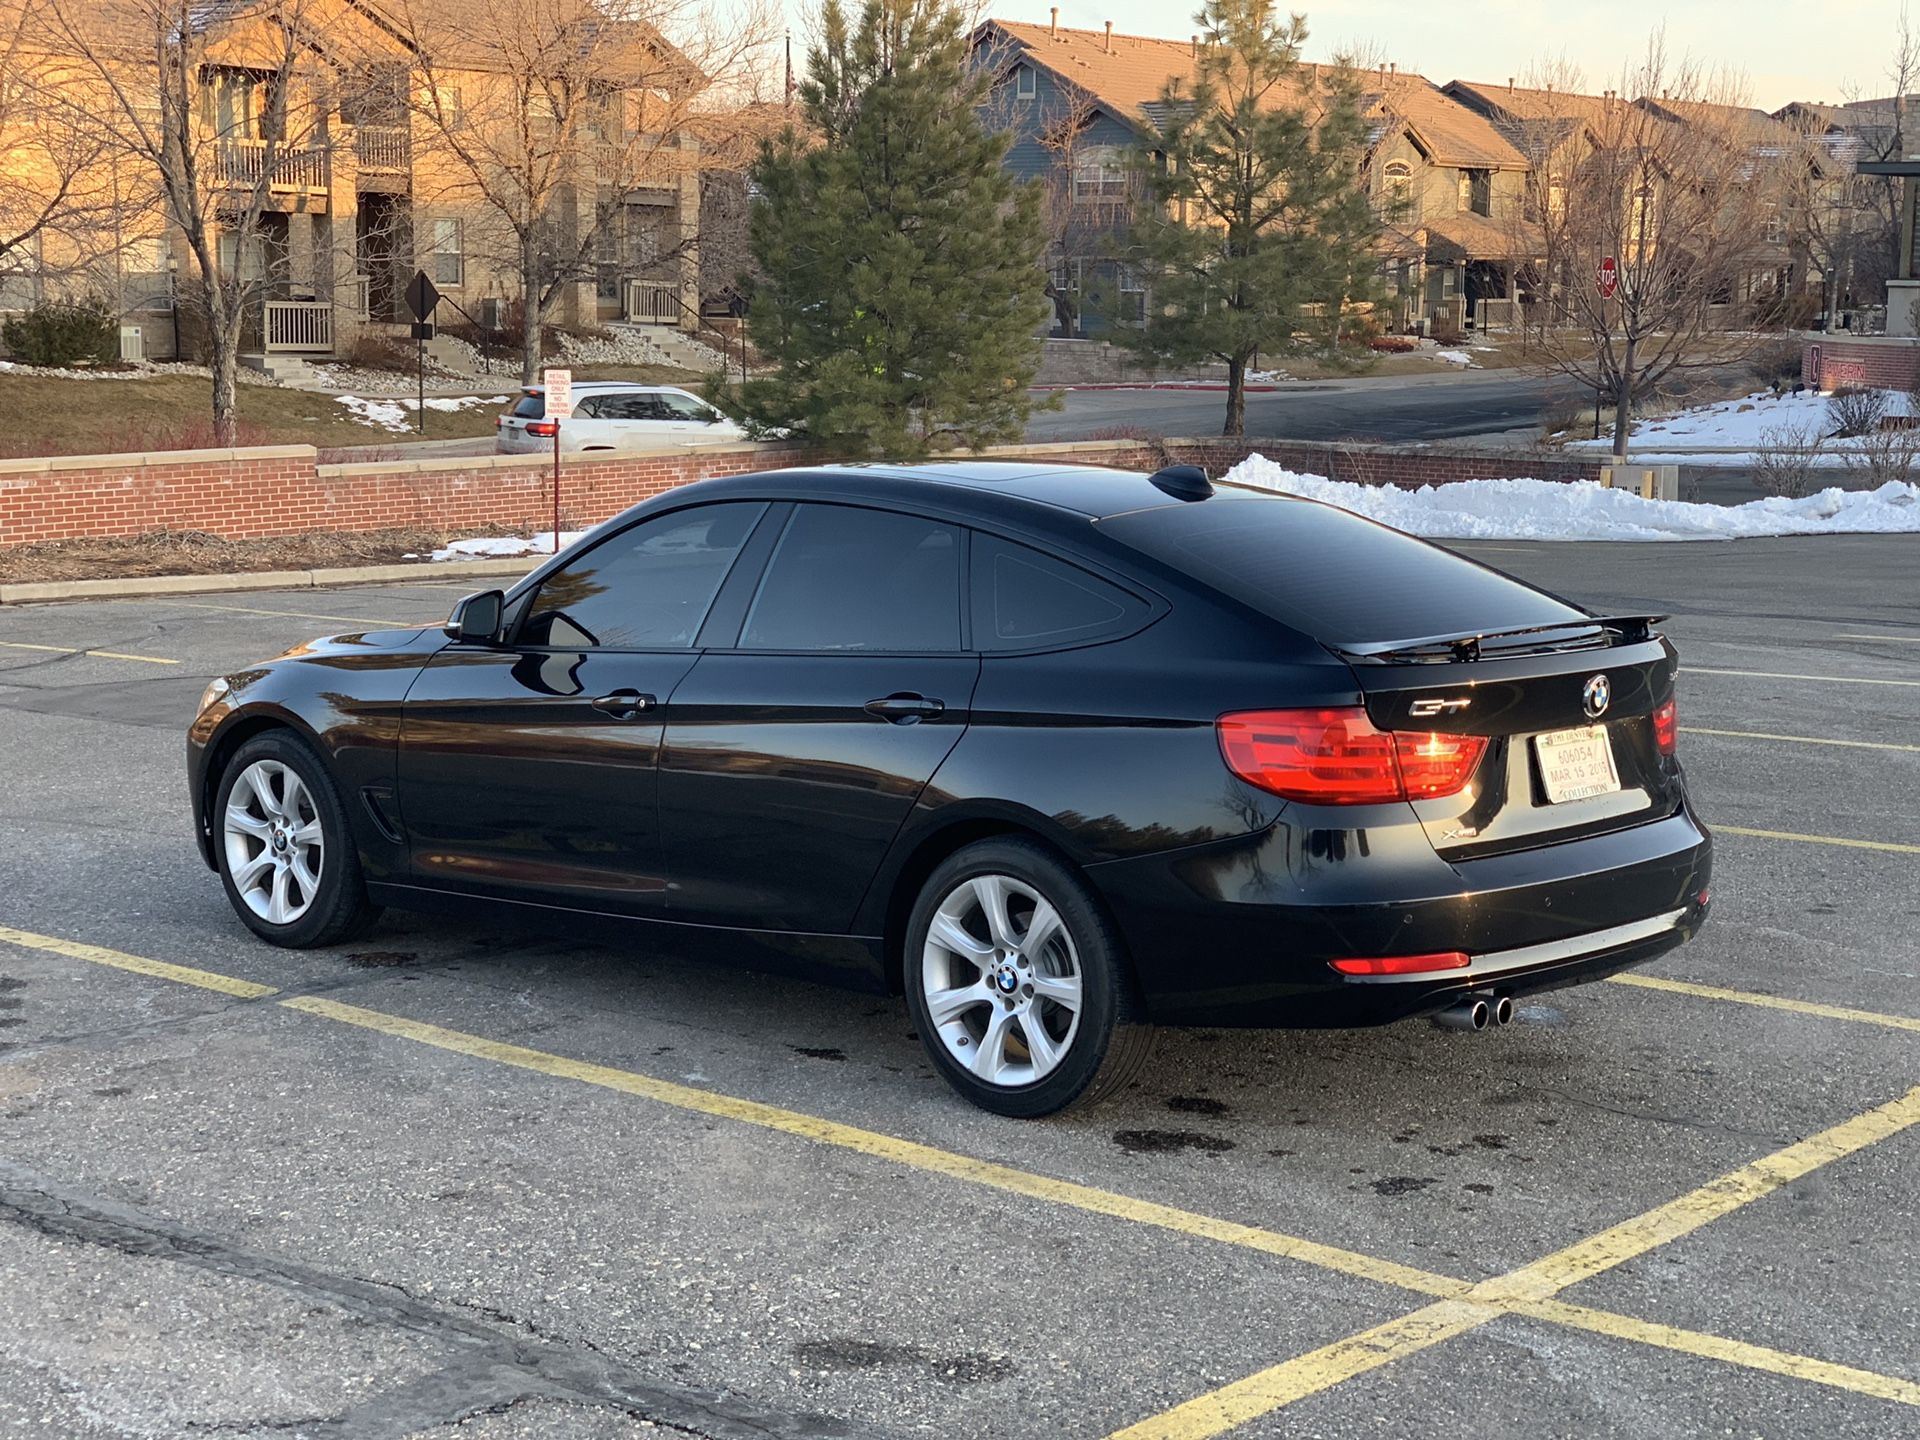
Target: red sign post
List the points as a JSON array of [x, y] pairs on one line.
[[557, 386], [1609, 277]]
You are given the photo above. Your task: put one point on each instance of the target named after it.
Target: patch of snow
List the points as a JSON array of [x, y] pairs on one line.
[[392, 414], [505, 547], [1582, 510], [1453, 357], [1741, 423]]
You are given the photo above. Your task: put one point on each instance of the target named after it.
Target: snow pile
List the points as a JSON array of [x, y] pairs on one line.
[[1742, 423], [1582, 510], [392, 414], [505, 547], [1454, 357]]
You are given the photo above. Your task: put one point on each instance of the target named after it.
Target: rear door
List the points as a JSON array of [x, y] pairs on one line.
[[638, 421], [528, 769], [830, 689]]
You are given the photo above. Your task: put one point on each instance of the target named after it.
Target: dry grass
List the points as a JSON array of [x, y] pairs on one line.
[[193, 552], [47, 416]]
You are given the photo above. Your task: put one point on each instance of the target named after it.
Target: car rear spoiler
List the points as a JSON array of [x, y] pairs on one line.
[[1466, 645]]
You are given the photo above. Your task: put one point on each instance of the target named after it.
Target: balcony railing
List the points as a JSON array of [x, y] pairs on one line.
[[299, 325], [651, 302], [381, 150], [243, 162]]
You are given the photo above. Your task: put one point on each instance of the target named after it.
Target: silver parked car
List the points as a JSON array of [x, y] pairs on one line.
[[614, 415]]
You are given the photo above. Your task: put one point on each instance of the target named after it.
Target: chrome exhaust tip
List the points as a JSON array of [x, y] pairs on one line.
[[1472, 1013], [1503, 1010]]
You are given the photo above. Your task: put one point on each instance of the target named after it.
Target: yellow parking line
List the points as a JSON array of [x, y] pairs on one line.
[[1797, 739], [310, 615], [69, 650], [1462, 1307], [1731, 1352], [1221, 1410], [1524, 1290], [1767, 1002], [138, 964], [1892, 846], [1785, 675], [888, 1147]]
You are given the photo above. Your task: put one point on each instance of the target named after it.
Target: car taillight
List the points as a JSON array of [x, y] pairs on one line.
[[1337, 757], [543, 428], [1402, 964], [1666, 727]]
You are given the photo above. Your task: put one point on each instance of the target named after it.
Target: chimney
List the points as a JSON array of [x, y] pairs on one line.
[[1393, 67], [1109, 37], [1196, 47], [1053, 25], [1509, 84]]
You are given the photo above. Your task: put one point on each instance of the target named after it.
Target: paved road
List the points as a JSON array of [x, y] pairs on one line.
[[546, 1188], [1436, 407]]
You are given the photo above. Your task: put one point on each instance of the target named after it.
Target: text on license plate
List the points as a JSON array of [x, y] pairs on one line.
[[1576, 764]]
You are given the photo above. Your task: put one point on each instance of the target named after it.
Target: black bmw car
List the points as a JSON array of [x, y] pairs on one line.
[[1060, 753]]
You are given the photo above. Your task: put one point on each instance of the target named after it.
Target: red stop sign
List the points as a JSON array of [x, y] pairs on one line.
[[1609, 277]]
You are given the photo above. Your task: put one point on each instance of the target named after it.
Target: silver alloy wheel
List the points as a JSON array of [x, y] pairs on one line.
[[274, 843], [1002, 980]]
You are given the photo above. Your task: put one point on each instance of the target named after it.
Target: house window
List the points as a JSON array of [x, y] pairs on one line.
[[1396, 191], [1132, 286], [1024, 82], [448, 112], [1476, 191], [1776, 228], [449, 253], [1099, 173]]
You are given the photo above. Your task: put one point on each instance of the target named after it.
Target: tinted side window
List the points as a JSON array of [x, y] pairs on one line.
[[1023, 599], [684, 407], [648, 588], [531, 407], [844, 578]]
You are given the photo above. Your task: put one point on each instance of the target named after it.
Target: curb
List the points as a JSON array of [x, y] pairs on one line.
[[135, 586]]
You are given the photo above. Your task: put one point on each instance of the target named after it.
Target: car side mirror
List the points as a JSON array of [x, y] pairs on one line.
[[476, 619]]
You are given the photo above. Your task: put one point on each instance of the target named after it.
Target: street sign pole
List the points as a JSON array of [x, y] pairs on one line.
[[557, 406], [422, 296]]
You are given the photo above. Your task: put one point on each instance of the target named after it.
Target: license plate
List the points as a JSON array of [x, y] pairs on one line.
[[1576, 764]]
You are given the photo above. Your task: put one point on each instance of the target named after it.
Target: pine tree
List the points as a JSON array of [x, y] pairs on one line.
[[900, 290], [1259, 240]]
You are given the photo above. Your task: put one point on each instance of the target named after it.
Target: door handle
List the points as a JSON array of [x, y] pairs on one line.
[[905, 708], [624, 704]]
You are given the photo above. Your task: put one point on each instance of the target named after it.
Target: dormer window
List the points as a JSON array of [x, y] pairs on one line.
[[1024, 82]]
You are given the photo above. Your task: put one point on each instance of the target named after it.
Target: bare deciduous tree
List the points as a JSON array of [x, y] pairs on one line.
[[57, 191], [535, 119], [1680, 208], [224, 105]]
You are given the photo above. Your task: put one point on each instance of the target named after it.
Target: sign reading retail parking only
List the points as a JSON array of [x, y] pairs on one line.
[[559, 390], [1609, 277]]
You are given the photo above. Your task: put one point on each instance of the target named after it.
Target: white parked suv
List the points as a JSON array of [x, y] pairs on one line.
[[614, 415]]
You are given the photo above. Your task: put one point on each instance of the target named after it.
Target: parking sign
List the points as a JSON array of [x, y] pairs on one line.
[[559, 390]]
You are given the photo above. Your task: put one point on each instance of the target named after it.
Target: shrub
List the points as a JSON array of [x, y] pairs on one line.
[[1883, 455], [1854, 412], [383, 352], [1776, 362], [65, 333], [1787, 462], [1393, 344]]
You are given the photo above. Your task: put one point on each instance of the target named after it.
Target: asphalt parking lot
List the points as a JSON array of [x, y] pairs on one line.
[[450, 1180]]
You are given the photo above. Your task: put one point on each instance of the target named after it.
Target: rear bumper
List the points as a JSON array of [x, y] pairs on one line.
[[1241, 934]]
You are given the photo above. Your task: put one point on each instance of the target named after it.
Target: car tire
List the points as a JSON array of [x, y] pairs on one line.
[[285, 850], [1018, 985]]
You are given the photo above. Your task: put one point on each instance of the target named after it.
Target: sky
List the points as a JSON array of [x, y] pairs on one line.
[[1828, 50]]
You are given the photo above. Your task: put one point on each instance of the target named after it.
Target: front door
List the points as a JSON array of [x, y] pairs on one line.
[[797, 746], [528, 768]]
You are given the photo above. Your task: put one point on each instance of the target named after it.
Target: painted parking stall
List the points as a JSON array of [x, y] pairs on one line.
[[686, 1186]]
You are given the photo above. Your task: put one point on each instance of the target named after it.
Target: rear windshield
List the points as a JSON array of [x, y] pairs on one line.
[[1329, 573], [531, 407]]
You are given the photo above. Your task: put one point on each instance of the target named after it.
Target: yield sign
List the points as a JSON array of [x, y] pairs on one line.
[[1608, 278], [421, 296]]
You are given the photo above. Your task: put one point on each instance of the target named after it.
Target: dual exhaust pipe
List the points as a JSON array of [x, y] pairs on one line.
[[1476, 1012]]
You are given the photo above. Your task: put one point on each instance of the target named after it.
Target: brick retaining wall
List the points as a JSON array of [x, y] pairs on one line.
[[1878, 362], [281, 490]]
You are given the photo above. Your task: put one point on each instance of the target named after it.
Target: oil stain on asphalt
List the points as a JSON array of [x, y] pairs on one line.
[[1164, 1142]]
